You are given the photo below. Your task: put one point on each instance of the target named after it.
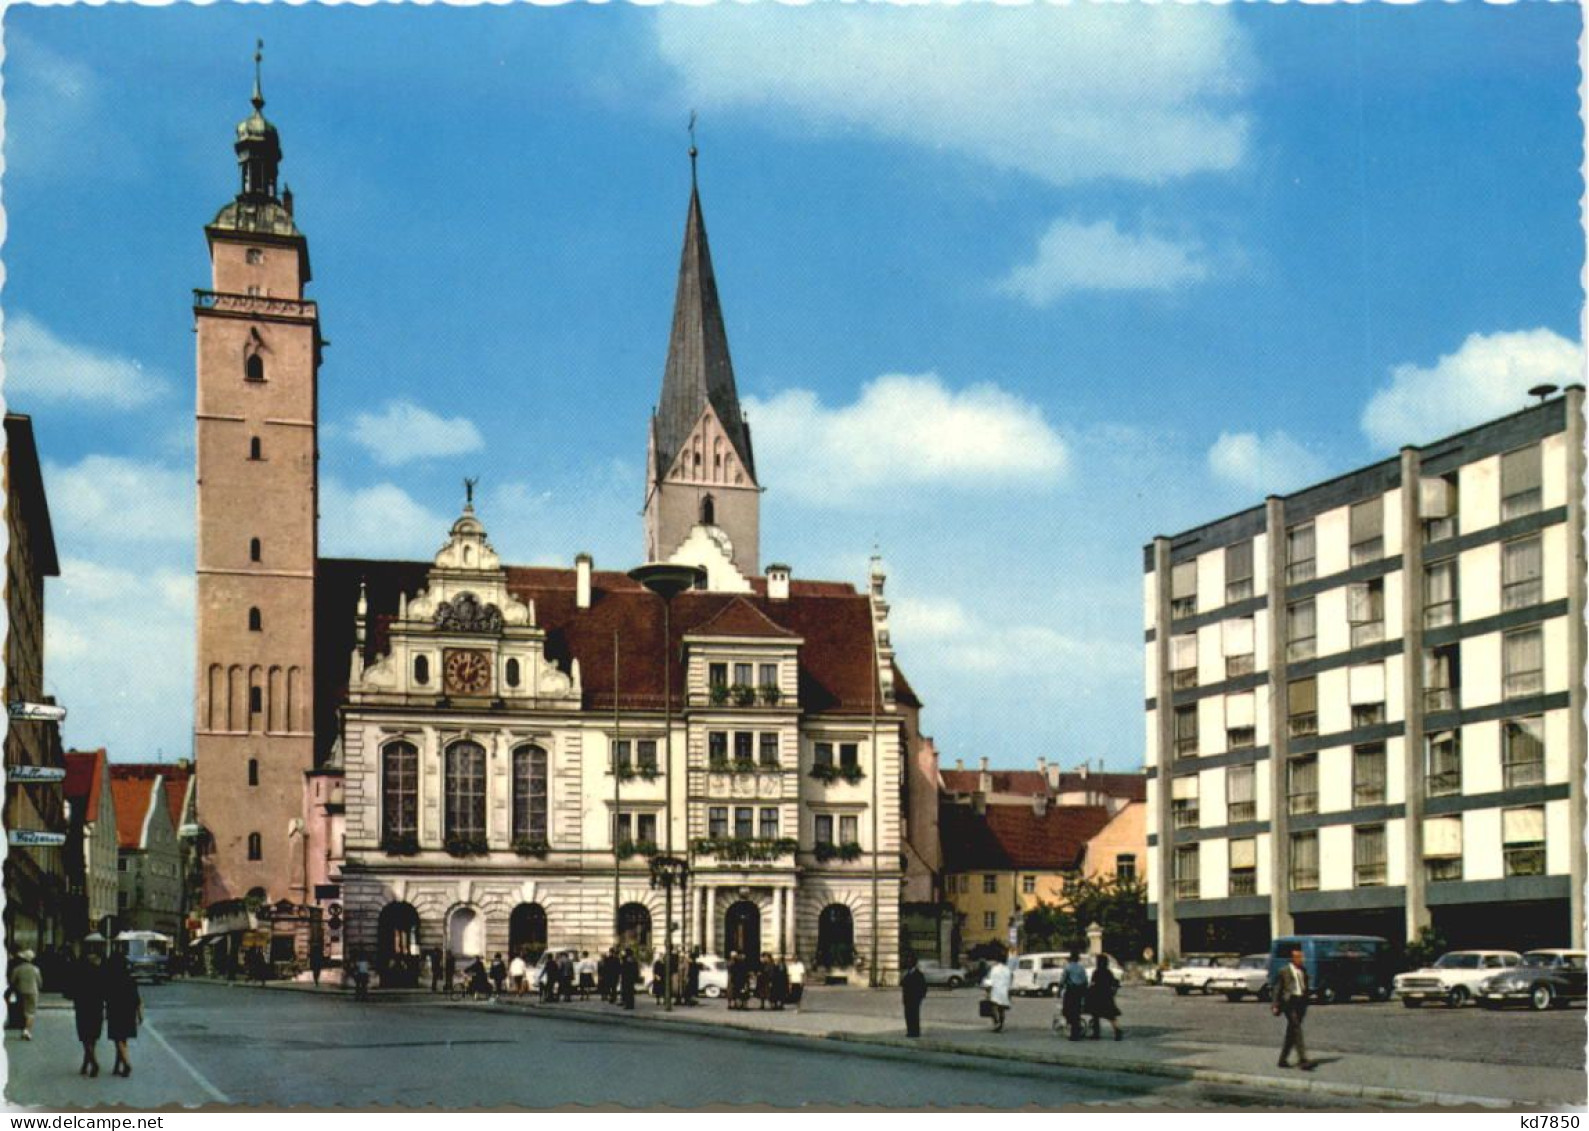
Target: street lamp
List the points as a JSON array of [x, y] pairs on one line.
[[667, 580], [668, 872]]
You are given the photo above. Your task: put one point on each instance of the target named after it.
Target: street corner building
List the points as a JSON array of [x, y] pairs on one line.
[[470, 757], [1365, 705]]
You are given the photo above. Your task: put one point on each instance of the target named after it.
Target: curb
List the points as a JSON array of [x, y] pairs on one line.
[[872, 1044]]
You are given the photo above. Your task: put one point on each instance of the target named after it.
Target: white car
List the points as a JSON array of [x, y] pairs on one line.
[[1249, 976], [1455, 978], [1196, 971], [538, 970], [714, 976]]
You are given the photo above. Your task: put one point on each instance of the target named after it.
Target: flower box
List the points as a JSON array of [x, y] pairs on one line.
[[526, 847], [401, 845], [466, 846], [749, 849]]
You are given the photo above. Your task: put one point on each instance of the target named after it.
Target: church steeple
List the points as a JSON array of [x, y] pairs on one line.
[[701, 469], [257, 207]]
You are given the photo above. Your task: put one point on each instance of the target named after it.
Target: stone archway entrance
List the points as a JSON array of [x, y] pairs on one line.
[[466, 934], [742, 928], [835, 937], [527, 930], [634, 926], [397, 945]]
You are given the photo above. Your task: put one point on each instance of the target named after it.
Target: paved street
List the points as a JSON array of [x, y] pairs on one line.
[[262, 1047]]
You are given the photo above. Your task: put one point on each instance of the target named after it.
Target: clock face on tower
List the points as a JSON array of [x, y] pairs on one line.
[[466, 671]]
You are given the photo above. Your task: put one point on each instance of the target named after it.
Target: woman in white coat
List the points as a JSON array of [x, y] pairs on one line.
[[998, 987]]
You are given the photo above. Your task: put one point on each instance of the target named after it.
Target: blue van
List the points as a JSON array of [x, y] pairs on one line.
[[1338, 966]]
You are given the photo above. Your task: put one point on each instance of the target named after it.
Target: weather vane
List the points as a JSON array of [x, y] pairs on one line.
[[468, 490], [693, 150]]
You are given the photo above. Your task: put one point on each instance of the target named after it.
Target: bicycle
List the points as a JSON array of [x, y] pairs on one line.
[[463, 991]]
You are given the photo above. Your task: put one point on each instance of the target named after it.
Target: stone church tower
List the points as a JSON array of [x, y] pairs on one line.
[[700, 470], [258, 355]]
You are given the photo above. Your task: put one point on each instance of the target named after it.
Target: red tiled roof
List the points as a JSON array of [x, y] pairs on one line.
[[176, 785], [1028, 783], [1013, 836], [132, 787], [740, 618], [837, 673], [84, 775]]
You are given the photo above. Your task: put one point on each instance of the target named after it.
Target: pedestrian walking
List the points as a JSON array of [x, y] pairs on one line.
[[1101, 999], [780, 984], [1291, 999], [797, 982], [361, 979], [123, 1010], [26, 983], [912, 990], [607, 976], [998, 1000], [516, 973], [628, 978], [565, 976], [88, 1008], [1073, 994], [499, 974], [764, 981]]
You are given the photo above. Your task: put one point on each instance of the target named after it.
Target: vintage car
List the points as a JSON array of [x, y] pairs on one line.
[[1249, 976], [1196, 971], [1544, 978], [1454, 978], [937, 974]]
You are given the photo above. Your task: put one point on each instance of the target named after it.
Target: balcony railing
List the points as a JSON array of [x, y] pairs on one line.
[[1444, 869], [1520, 684], [1300, 726], [1525, 860], [1524, 502], [1183, 607], [1439, 614], [1370, 875], [1244, 882], [1187, 888], [254, 304], [1369, 551], [1304, 879], [1520, 774], [1368, 632], [1183, 679], [1300, 571], [736, 850], [1298, 804], [1238, 591], [1302, 648], [1184, 816], [1440, 699], [1242, 811], [1239, 665]]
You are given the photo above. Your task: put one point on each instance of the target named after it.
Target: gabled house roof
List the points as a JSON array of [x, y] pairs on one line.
[[85, 776], [1016, 836], [137, 789]]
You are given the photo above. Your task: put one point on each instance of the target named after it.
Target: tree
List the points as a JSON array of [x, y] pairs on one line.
[[1119, 906]]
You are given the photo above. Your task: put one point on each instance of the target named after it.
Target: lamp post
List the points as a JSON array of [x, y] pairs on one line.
[[667, 580]]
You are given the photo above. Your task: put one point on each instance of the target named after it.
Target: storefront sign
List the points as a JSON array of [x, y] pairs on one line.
[[34, 838], [37, 712], [35, 773]]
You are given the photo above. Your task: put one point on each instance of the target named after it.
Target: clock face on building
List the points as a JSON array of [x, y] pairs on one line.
[[467, 672]]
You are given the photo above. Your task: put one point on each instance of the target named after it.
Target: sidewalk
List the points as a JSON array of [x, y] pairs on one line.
[[42, 1073], [852, 1016]]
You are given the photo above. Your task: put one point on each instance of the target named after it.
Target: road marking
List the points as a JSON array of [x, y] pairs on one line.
[[214, 1093]]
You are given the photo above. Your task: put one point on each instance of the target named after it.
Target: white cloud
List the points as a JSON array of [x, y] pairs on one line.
[[1063, 93], [1488, 376], [939, 636], [119, 656], [904, 430], [119, 499], [41, 367], [1269, 463], [1073, 256], [403, 432], [381, 520]]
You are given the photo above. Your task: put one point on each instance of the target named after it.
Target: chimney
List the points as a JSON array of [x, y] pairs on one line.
[[960, 764], [984, 763], [984, 779], [778, 582], [1083, 771], [1042, 766], [582, 564], [1039, 804]]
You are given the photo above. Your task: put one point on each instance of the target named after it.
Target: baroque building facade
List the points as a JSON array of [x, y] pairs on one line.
[[468, 756]]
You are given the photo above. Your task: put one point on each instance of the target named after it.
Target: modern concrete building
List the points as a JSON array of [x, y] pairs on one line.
[[1365, 701], [35, 873]]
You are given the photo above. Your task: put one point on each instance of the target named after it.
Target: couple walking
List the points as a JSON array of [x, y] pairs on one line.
[[1093, 996], [105, 995]]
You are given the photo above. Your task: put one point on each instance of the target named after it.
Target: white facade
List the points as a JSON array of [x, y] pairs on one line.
[[1350, 744]]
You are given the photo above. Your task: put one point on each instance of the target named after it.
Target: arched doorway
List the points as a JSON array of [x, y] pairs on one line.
[[835, 937], [466, 934], [397, 945], [742, 928], [527, 930], [634, 926]]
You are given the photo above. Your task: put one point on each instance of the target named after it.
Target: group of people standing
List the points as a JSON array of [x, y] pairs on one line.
[[771, 981]]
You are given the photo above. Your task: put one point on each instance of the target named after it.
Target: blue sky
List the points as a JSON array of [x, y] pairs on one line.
[[1008, 290]]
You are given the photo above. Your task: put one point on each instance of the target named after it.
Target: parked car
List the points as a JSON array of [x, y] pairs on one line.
[[1544, 978], [937, 974], [1196, 971], [148, 954], [714, 976], [1039, 974], [1454, 977], [1249, 976], [538, 970], [1338, 966]]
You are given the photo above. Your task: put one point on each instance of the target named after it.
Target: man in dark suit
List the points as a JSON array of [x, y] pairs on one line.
[[1291, 999], [912, 988]]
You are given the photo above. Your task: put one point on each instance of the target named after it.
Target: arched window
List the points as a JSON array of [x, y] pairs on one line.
[[529, 793], [835, 937], [254, 367], [421, 669], [253, 550], [512, 674], [708, 511], [527, 931], [256, 848], [256, 699], [253, 771], [399, 791], [634, 925], [466, 791], [255, 622], [254, 449]]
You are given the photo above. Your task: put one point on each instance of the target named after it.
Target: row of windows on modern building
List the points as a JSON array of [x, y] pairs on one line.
[[1521, 586], [258, 699], [1439, 510], [464, 792], [1520, 838]]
